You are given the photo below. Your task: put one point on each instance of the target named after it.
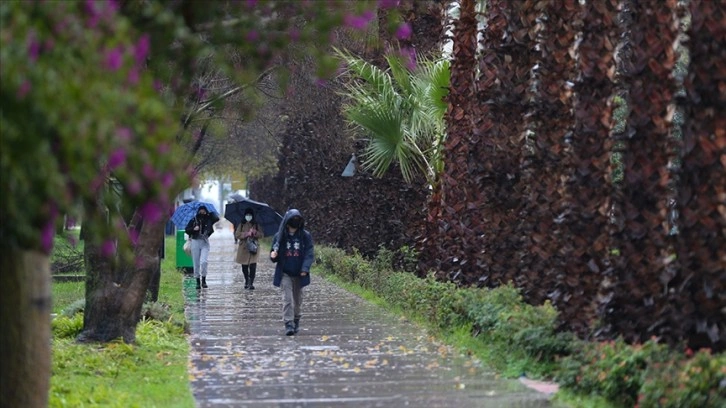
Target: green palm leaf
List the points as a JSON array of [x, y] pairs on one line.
[[401, 111]]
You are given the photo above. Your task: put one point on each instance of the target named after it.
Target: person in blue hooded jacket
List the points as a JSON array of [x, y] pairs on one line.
[[292, 250]]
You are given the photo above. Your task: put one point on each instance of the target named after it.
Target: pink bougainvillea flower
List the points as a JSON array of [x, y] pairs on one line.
[[409, 57], [117, 158], [403, 31], [149, 172], [133, 77], [294, 34], [252, 36], [167, 180], [113, 59], [358, 22], [33, 49], [251, 3], [151, 212], [93, 14], [46, 235], [141, 49], [163, 148], [386, 4], [134, 187], [108, 248], [124, 134], [24, 89], [97, 182]]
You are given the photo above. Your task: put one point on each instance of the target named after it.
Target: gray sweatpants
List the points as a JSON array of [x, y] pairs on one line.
[[200, 255], [292, 294]]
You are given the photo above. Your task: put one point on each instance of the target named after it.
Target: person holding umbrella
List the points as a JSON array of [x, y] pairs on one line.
[[247, 230], [292, 250], [199, 229]]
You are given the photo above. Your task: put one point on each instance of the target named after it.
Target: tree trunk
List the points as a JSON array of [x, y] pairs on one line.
[[115, 291], [25, 324]]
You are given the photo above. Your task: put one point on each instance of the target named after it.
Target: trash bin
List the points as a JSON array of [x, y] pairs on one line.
[[183, 261]]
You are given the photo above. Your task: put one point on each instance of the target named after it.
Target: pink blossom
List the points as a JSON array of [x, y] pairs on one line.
[[134, 187], [117, 158], [108, 248], [403, 31], [93, 14], [141, 50], [386, 4], [163, 148], [294, 34], [409, 57], [133, 77], [46, 235], [33, 49], [358, 22], [113, 59], [251, 3], [167, 180], [124, 134], [149, 171], [252, 36], [24, 89], [97, 182], [151, 211]]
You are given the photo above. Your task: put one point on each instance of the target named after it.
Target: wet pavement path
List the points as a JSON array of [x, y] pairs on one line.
[[348, 353]]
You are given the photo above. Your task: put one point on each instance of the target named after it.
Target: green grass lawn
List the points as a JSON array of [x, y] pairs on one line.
[[150, 373]]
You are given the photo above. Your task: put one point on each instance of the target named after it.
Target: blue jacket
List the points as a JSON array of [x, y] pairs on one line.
[[307, 249]]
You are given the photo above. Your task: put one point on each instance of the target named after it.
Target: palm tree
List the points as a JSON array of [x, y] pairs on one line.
[[401, 109]]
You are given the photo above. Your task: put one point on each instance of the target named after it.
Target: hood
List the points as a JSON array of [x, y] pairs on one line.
[[293, 212]]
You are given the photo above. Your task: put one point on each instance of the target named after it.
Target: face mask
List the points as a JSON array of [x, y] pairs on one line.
[[295, 222], [248, 218]]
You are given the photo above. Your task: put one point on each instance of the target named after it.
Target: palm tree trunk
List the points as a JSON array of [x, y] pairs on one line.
[[698, 308], [586, 159]]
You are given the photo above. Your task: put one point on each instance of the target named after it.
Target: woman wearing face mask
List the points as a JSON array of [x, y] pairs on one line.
[[247, 229], [199, 229]]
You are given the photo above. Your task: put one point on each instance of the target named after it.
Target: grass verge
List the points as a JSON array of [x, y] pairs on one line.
[[150, 373]]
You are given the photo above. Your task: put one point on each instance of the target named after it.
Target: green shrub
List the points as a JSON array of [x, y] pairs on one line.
[[67, 326], [699, 381], [516, 337], [614, 370]]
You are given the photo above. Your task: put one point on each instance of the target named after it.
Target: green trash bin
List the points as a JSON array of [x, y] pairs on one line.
[[183, 261]]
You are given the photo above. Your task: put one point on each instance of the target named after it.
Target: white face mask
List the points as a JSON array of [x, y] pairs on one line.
[[248, 218]]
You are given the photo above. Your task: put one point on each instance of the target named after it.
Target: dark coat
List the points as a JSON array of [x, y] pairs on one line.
[[205, 223], [306, 239]]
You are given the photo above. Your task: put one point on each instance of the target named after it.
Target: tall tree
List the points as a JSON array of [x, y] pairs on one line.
[[77, 109], [93, 98]]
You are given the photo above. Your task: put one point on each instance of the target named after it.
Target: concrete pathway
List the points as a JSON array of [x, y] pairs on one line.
[[348, 353]]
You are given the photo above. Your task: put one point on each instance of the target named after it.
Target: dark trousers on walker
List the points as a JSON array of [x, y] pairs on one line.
[[292, 294], [249, 272]]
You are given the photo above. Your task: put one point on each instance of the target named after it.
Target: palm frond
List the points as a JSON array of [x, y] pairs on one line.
[[401, 75]]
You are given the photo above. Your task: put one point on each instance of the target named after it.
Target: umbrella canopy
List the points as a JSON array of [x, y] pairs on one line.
[[267, 218], [186, 212], [237, 197]]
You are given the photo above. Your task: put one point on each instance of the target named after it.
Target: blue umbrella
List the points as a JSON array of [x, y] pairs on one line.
[[266, 218], [187, 211]]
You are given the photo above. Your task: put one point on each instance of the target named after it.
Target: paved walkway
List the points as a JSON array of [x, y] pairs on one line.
[[348, 353]]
